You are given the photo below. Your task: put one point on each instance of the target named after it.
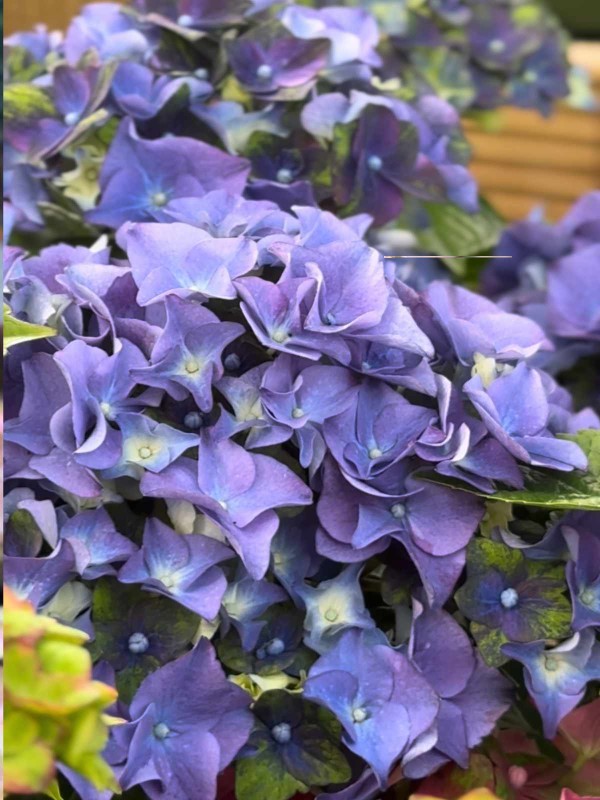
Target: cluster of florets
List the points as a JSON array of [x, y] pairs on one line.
[[479, 54], [304, 93], [552, 277], [233, 462]]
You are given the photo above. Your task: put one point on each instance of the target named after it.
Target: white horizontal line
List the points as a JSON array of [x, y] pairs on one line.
[[438, 256]]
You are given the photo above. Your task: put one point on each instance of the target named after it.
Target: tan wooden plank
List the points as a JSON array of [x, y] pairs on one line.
[[517, 206], [511, 149], [549, 182], [20, 15], [567, 125]]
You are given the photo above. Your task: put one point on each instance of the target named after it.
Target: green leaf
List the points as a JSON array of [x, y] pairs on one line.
[[23, 101], [61, 223], [263, 777], [565, 490], [19, 65], [17, 331], [454, 232], [53, 791]]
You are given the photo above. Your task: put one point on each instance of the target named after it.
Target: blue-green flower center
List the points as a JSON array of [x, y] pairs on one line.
[[138, 643], [297, 413], [264, 72], [587, 597], [359, 715], [201, 73], [232, 361], [509, 598], [71, 118], [398, 511], [159, 199], [280, 336], [551, 663], [331, 615], [144, 452], [161, 730], [193, 420], [497, 46], [374, 453], [191, 366], [285, 175], [272, 648], [185, 20], [282, 732], [275, 647], [375, 163]]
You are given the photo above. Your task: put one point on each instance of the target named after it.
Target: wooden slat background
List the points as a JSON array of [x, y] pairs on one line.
[[531, 160], [528, 161]]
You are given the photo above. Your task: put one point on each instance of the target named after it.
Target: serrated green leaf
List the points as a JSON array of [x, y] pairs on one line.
[[565, 490], [454, 232], [17, 331]]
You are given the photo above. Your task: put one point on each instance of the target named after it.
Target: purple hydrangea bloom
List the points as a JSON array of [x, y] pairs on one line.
[[515, 410], [96, 543], [72, 98], [392, 149], [377, 430], [148, 445], [238, 490], [244, 603], [224, 215], [200, 14], [573, 291], [182, 567], [299, 397], [187, 355], [332, 607], [274, 65], [511, 598], [139, 177], [139, 94], [275, 314], [580, 530], [38, 579], [352, 32], [472, 696], [182, 260], [382, 701], [100, 387], [459, 446], [187, 706], [45, 391], [556, 678], [357, 525], [476, 325], [105, 30]]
